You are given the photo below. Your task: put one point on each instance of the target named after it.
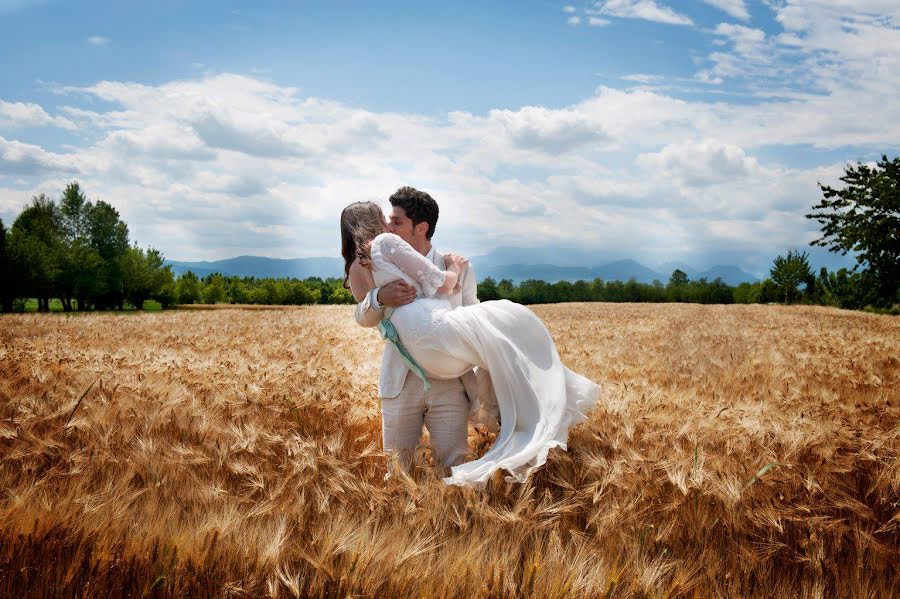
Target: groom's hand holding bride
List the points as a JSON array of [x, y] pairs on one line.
[[397, 293]]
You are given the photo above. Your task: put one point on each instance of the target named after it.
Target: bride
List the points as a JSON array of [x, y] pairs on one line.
[[538, 397]]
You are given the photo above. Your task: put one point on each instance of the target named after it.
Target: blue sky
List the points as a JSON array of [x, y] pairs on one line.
[[649, 129]]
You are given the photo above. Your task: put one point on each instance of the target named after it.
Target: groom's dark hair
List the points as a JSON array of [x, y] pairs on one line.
[[418, 206]]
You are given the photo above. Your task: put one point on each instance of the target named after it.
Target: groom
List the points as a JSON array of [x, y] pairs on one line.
[[405, 406]]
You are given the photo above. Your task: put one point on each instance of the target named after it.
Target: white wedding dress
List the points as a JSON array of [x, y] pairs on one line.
[[539, 398]]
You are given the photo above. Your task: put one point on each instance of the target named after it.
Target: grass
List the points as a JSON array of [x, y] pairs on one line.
[[31, 305], [749, 451]]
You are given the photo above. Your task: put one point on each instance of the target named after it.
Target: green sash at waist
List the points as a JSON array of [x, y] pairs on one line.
[[389, 333]]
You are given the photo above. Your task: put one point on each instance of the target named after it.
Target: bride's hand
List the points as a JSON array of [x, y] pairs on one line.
[[456, 262]]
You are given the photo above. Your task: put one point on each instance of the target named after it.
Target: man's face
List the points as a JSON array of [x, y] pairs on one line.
[[401, 225]]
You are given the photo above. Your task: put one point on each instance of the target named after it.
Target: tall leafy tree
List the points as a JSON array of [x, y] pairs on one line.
[[79, 268], [506, 289], [162, 281], [843, 288], [296, 293], [487, 290], [82, 268], [108, 234], [37, 245], [864, 218], [237, 291], [144, 276], [81, 264], [677, 288], [214, 289], [789, 272], [187, 288], [340, 295], [136, 284], [74, 209], [747, 293], [679, 277], [6, 274]]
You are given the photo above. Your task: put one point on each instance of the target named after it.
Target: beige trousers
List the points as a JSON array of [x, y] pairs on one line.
[[444, 410]]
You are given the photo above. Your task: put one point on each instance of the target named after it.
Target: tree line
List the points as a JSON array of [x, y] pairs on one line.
[[79, 252], [862, 218], [791, 281], [217, 289]]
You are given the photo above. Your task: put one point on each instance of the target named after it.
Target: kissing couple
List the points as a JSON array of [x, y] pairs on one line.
[[449, 357]]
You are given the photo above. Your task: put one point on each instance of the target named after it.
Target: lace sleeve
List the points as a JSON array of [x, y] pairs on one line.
[[401, 254]]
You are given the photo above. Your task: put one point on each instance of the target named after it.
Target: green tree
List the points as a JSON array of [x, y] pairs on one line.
[[145, 276], [78, 278], [679, 277], [598, 290], [237, 291], [108, 234], [37, 247], [257, 295], [487, 290], [864, 218], [634, 291], [135, 277], [768, 292], [534, 291], [507, 289], [6, 273], [747, 293], [614, 291], [162, 281], [295, 293], [677, 289], [561, 292], [164, 292], [214, 289], [341, 295], [74, 209], [80, 265], [187, 288], [719, 292], [581, 291], [788, 272], [843, 288]]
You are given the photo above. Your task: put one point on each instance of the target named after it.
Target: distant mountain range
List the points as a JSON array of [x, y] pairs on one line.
[[517, 264], [259, 266]]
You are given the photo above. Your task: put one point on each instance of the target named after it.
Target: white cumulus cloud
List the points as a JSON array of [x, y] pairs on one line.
[[28, 114], [222, 165], [735, 8], [648, 10], [701, 163]]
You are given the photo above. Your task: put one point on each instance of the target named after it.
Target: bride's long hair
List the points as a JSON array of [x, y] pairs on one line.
[[361, 222]]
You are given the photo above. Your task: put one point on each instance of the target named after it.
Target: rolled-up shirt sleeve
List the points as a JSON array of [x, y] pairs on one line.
[[367, 314]]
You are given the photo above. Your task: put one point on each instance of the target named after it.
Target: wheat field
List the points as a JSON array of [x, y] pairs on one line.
[[737, 451]]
